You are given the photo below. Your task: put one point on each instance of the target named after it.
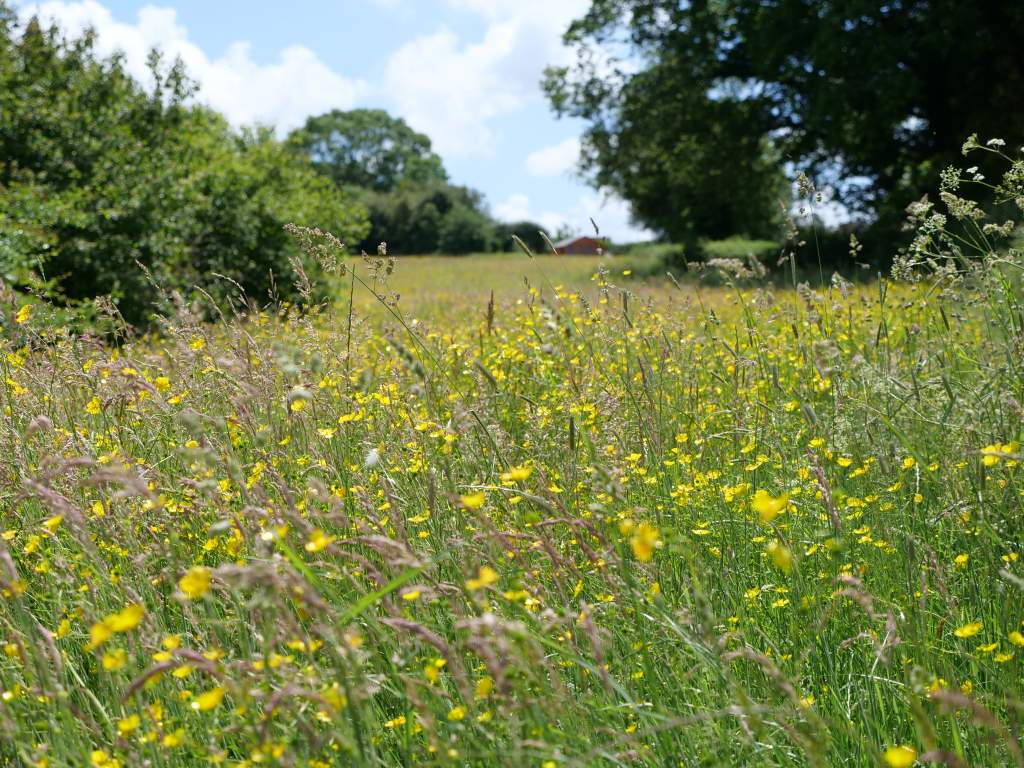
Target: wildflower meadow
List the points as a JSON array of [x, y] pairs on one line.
[[623, 522]]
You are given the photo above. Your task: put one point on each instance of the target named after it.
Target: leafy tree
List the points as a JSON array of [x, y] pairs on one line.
[[688, 165], [255, 187], [432, 218], [698, 101], [368, 148], [466, 230], [106, 188], [402, 182], [530, 232]]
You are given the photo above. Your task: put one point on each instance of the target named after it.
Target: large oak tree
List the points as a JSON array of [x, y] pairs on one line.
[[689, 105]]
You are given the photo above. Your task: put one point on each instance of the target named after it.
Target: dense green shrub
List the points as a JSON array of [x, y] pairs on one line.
[[429, 218], [107, 188], [530, 232]]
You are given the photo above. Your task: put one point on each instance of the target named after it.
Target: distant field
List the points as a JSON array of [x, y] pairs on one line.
[[429, 286]]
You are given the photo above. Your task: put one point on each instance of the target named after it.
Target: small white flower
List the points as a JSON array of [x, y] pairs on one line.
[[995, 143], [372, 458]]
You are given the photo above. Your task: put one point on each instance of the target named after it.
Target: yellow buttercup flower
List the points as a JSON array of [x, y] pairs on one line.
[[646, 538], [485, 577], [899, 756], [115, 659], [516, 474], [127, 619], [781, 556], [174, 739], [319, 541], [484, 686], [209, 700], [196, 582], [473, 500], [127, 725], [994, 453], [122, 621], [768, 507], [968, 630]]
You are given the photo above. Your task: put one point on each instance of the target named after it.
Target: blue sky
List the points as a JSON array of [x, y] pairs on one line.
[[465, 72]]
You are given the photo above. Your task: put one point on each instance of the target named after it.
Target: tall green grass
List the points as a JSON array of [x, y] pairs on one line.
[[569, 526]]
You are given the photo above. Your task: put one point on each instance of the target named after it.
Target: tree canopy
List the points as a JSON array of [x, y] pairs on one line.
[[530, 232], [395, 173], [431, 218], [368, 148], [107, 188], [693, 107]]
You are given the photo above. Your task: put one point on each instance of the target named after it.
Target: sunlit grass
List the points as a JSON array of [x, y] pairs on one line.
[[586, 527], [441, 287]]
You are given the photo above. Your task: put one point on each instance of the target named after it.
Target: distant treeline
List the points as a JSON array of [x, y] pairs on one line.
[[111, 188], [394, 172]]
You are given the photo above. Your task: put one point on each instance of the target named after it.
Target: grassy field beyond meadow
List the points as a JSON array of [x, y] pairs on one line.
[[443, 287], [733, 527]]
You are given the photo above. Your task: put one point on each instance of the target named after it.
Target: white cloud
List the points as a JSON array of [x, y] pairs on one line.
[[454, 91], [554, 160], [450, 91], [552, 13], [282, 93], [610, 213], [515, 208]]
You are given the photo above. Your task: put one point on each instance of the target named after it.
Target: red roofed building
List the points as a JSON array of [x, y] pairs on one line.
[[573, 246]]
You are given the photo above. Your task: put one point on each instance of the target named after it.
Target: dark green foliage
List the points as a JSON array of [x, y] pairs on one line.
[[466, 230], [688, 165], [395, 172], [257, 187], [432, 218], [368, 148], [701, 101], [102, 182], [530, 232]]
